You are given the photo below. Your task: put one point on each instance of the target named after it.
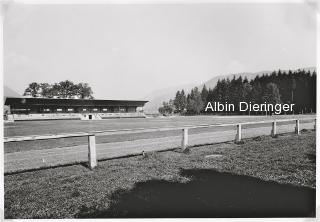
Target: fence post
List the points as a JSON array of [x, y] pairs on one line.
[[238, 136], [184, 142], [315, 124], [274, 129], [297, 128], [92, 155]]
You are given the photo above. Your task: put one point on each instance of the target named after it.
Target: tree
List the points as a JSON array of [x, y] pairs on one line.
[[67, 89], [246, 92], [64, 89], [32, 90], [46, 90], [256, 92], [55, 90], [194, 101], [183, 101], [162, 110], [84, 91], [295, 87], [167, 108], [271, 94], [204, 94], [176, 101], [180, 101]]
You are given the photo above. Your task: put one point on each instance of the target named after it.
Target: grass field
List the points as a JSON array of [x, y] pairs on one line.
[[263, 177], [68, 126]]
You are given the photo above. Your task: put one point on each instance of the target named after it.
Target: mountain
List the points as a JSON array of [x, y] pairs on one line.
[[213, 82], [311, 69], [157, 97], [8, 92]]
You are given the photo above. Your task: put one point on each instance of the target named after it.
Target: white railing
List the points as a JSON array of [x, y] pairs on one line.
[[92, 157]]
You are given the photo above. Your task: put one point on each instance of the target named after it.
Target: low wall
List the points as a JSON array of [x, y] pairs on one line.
[[122, 115], [75, 116], [47, 116]]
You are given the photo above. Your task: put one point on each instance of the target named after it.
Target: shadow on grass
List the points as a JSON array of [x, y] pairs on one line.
[[209, 194]]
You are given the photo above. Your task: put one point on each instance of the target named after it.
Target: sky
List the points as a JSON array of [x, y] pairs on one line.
[[128, 51]]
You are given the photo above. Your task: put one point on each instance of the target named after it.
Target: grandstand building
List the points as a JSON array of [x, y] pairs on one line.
[[44, 108]]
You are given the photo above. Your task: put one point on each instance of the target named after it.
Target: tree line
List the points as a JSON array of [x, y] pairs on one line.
[[64, 90], [290, 87]]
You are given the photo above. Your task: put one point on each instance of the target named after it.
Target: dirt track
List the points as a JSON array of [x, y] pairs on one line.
[[34, 159]]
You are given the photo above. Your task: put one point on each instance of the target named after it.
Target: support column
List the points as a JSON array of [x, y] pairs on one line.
[[238, 135], [297, 128], [274, 129], [92, 155], [184, 142]]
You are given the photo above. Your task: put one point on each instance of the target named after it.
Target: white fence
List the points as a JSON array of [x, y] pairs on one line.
[[92, 156]]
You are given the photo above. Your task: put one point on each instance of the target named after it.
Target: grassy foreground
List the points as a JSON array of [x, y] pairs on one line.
[[263, 176]]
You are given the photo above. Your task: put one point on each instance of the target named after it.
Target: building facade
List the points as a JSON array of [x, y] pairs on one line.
[[24, 107]]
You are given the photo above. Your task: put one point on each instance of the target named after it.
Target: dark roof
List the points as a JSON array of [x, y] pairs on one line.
[[13, 101]]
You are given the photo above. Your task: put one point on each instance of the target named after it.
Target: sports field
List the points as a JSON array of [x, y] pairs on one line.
[[68, 126], [26, 155]]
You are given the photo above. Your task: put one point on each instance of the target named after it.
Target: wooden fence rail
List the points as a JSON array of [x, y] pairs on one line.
[[239, 128], [44, 137], [92, 156]]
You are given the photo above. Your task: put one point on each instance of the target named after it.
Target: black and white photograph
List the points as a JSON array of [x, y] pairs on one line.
[[159, 109]]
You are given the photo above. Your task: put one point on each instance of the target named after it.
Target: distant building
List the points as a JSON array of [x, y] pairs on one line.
[[44, 108]]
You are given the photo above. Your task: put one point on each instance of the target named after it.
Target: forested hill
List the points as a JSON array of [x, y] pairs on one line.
[[292, 87], [157, 97]]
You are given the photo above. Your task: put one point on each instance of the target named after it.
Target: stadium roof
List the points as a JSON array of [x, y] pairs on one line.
[[14, 101]]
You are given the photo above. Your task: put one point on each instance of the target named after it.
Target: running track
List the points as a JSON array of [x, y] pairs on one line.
[[34, 159]]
